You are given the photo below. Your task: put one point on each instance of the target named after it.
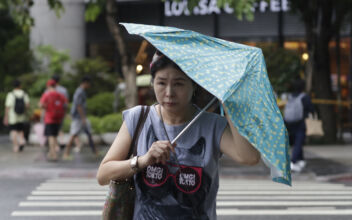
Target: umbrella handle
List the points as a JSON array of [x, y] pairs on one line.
[[193, 120]]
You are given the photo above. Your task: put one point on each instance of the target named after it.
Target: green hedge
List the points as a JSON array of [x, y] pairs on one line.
[[94, 121], [100, 104], [66, 124], [108, 123]]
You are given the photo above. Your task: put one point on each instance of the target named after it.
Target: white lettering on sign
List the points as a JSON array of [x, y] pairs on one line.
[[187, 179], [228, 9], [263, 6], [154, 172], [207, 7]]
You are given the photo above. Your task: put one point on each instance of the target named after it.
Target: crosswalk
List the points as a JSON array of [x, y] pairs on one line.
[[261, 197], [83, 197]]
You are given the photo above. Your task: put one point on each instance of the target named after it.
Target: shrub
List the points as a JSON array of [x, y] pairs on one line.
[[99, 70], [66, 124], [100, 104], [110, 123], [2, 108], [95, 121]]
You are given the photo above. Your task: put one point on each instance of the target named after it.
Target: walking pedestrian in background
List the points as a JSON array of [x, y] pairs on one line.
[[55, 105], [16, 105], [80, 121], [61, 89], [297, 108]]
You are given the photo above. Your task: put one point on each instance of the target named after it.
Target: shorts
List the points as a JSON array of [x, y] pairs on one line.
[[16, 127], [51, 129], [77, 127]]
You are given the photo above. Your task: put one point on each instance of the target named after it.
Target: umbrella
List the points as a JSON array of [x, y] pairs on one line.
[[236, 75]]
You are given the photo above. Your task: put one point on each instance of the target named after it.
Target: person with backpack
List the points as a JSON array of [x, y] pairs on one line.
[[297, 108], [55, 105], [16, 105]]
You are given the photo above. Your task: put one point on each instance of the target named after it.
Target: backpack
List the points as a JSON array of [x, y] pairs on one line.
[[294, 109], [56, 105], [20, 106]]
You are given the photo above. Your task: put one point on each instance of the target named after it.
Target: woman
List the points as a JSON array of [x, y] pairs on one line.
[[177, 181]]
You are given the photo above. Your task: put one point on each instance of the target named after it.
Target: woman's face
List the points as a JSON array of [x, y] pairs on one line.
[[173, 89]]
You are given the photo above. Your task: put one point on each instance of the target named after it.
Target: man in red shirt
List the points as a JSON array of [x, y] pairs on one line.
[[55, 105]]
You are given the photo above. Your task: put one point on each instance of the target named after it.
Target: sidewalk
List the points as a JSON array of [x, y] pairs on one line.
[[331, 163], [324, 162]]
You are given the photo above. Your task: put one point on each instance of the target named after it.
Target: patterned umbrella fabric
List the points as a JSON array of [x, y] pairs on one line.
[[236, 74]]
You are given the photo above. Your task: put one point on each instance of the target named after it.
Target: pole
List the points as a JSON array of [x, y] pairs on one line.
[[338, 69]]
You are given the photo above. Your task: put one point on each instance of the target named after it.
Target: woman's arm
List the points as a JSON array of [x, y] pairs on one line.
[[237, 147], [115, 166]]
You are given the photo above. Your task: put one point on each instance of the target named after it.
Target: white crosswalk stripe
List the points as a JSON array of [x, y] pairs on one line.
[[84, 197], [255, 198]]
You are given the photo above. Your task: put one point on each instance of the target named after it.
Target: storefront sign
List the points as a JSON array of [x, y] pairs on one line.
[[206, 7]]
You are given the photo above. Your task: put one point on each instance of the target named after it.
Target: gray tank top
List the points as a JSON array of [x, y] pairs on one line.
[[178, 191]]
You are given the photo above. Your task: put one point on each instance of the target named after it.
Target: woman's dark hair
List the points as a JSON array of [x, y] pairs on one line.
[[160, 61]]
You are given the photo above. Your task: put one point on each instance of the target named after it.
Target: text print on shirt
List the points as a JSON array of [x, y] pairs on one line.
[[187, 179]]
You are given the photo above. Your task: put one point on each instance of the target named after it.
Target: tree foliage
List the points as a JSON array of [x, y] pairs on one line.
[[15, 54], [19, 11], [102, 79], [283, 66], [16, 57], [52, 60]]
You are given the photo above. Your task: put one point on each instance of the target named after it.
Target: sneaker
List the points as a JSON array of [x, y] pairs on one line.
[[295, 167], [301, 164], [77, 149]]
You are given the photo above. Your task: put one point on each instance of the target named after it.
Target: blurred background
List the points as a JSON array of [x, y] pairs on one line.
[[310, 40], [300, 39]]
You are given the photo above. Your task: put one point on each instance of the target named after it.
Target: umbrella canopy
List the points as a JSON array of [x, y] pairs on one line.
[[236, 74]]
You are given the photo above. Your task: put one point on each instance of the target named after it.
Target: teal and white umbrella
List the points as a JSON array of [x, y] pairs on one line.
[[235, 74]]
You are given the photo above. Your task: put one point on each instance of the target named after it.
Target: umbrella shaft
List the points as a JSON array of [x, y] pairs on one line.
[[193, 120]]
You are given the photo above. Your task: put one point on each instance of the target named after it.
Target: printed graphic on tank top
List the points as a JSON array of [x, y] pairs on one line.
[[186, 187], [186, 184]]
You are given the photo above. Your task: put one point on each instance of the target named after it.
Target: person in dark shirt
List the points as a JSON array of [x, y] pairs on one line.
[[297, 129]]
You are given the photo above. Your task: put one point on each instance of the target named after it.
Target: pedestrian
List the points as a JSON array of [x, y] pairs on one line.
[[80, 121], [61, 89], [16, 106], [118, 93], [54, 104], [296, 109], [192, 162], [38, 127]]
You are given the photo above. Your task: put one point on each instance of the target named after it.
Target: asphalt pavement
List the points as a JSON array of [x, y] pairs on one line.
[[325, 184], [324, 162]]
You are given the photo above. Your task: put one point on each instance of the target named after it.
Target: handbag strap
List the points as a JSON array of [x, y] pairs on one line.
[[142, 117]]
